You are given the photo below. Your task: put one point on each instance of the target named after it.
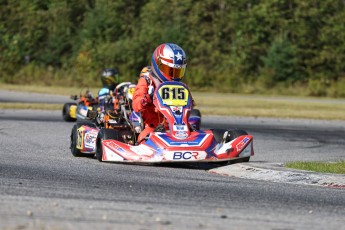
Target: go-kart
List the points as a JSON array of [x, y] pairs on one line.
[[73, 111], [119, 117], [178, 142]]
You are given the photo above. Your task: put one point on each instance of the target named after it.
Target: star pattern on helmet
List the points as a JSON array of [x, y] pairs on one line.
[[178, 56]]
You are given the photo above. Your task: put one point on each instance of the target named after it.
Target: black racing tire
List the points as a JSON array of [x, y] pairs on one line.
[[195, 112], [218, 134], [74, 136], [105, 134], [95, 107], [232, 134], [87, 123], [240, 160], [66, 112], [236, 133], [245, 159]]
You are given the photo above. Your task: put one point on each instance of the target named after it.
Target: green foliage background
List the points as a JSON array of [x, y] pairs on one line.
[[250, 46]]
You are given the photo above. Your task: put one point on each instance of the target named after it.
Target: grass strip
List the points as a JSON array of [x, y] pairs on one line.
[[259, 106], [323, 167]]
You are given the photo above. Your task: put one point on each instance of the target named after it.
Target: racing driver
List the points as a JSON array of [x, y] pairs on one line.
[[168, 63], [110, 79]]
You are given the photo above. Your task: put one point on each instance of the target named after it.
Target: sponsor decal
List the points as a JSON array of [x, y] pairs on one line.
[[121, 150], [180, 128], [181, 134], [242, 143], [177, 110], [90, 140], [185, 155], [116, 147]]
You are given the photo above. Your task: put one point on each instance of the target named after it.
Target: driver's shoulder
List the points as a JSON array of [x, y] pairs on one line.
[[103, 91]]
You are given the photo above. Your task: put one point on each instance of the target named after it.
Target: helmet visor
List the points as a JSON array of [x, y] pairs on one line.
[[109, 80], [173, 73]]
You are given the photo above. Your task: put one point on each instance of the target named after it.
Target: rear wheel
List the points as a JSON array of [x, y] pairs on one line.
[[195, 112], [105, 134], [74, 138], [66, 115], [194, 119]]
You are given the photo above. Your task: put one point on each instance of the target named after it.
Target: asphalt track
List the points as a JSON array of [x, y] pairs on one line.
[[42, 186]]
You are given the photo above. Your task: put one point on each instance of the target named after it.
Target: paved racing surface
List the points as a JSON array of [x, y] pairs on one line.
[[42, 186]]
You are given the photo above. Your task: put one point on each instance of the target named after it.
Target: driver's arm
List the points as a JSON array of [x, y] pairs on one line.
[[141, 98]]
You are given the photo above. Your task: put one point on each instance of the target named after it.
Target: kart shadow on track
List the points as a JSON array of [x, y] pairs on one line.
[[183, 165]]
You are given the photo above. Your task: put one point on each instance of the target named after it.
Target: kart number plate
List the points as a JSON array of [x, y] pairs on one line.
[[174, 95], [131, 92]]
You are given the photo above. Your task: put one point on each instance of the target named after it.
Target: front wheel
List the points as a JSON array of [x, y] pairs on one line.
[[75, 139], [227, 135], [105, 134], [223, 135], [240, 160]]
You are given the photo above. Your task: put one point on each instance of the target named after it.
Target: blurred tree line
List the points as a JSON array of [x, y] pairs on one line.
[[251, 46]]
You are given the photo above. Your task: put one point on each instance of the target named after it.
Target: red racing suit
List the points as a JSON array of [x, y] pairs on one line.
[[142, 102]]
